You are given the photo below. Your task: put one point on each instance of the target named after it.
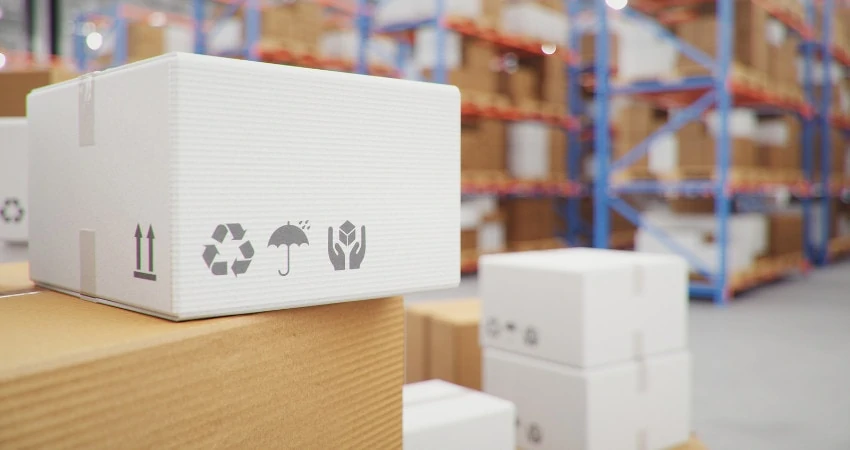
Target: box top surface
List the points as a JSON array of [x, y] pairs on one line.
[[428, 391], [562, 260], [47, 329], [14, 277], [458, 306]]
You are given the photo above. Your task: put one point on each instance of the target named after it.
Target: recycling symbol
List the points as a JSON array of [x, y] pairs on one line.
[[12, 211], [531, 336], [238, 266], [534, 433]]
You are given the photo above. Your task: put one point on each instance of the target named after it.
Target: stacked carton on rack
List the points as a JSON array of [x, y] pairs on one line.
[[590, 345]]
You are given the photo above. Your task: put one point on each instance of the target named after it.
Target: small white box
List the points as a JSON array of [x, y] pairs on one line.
[[584, 307], [189, 186], [627, 406], [528, 150], [14, 207], [441, 415]]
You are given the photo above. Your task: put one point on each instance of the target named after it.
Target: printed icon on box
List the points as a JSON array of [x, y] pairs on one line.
[[347, 245], [237, 235], [12, 211], [530, 336], [534, 433], [149, 273], [492, 327], [289, 235]]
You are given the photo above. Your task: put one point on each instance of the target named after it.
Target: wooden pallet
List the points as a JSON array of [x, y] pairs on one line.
[[766, 270]]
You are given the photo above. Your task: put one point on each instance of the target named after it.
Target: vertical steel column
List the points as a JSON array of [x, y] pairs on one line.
[[440, 75], [725, 24], [119, 27], [574, 102], [601, 138], [809, 250], [826, 141], [363, 36], [198, 26], [252, 29]]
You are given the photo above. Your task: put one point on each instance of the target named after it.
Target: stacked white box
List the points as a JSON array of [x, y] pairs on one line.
[[441, 415], [14, 205], [590, 344], [188, 186]]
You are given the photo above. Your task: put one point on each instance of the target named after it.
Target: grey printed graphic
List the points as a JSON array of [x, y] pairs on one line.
[[531, 337], [492, 327], [211, 251], [347, 245], [289, 235], [534, 434], [12, 211], [140, 273]]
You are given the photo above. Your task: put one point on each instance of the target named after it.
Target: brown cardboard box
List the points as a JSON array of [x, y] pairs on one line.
[[785, 233], [785, 157], [558, 153], [634, 123], [523, 84], [418, 337], [455, 354], [530, 219], [482, 144], [15, 85], [75, 374], [469, 239], [587, 48], [15, 278], [554, 83], [470, 145], [144, 41], [750, 44]]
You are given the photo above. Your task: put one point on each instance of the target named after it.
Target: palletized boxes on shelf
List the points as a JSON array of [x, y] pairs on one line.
[[74, 374], [441, 415], [204, 186], [14, 205], [590, 344]]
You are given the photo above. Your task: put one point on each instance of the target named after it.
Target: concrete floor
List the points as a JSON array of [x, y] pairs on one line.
[[771, 370]]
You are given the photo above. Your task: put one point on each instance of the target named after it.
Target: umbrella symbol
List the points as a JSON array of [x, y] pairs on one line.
[[287, 235]]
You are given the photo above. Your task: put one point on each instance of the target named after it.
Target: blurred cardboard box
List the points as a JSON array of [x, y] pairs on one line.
[[442, 342], [15, 278], [77, 374], [444, 416], [15, 85]]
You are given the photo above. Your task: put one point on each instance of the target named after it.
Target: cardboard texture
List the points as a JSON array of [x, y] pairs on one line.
[[750, 46], [17, 84], [632, 405], [144, 41], [15, 278], [558, 153], [634, 123], [584, 307], [292, 23], [483, 144], [74, 374], [442, 342], [440, 415], [14, 171], [209, 186]]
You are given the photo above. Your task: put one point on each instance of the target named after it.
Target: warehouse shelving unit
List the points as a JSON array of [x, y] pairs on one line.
[[571, 187], [697, 94]]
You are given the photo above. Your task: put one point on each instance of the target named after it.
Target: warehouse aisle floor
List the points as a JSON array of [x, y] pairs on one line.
[[772, 369]]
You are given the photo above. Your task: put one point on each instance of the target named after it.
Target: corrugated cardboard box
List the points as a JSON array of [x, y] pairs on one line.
[[15, 278], [443, 416], [785, 233], [74, 374], [14, 171], [17, 84], [208, 186], [530, 219], [439, 343]]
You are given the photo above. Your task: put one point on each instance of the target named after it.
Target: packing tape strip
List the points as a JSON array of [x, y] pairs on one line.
[[88, 268], [85, 116]]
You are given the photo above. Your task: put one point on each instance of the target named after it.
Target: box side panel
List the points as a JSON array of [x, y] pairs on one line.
[[416, 342], [14, 201], [337, 157], [99, 159]]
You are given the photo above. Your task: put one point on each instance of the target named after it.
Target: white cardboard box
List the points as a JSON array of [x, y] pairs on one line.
[[441, 415], [14, 207], [583, 307], [528, 150], [188, 186], [627, 406]]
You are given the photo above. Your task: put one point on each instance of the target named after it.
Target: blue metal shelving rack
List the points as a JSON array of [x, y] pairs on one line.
[[718, 95]]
